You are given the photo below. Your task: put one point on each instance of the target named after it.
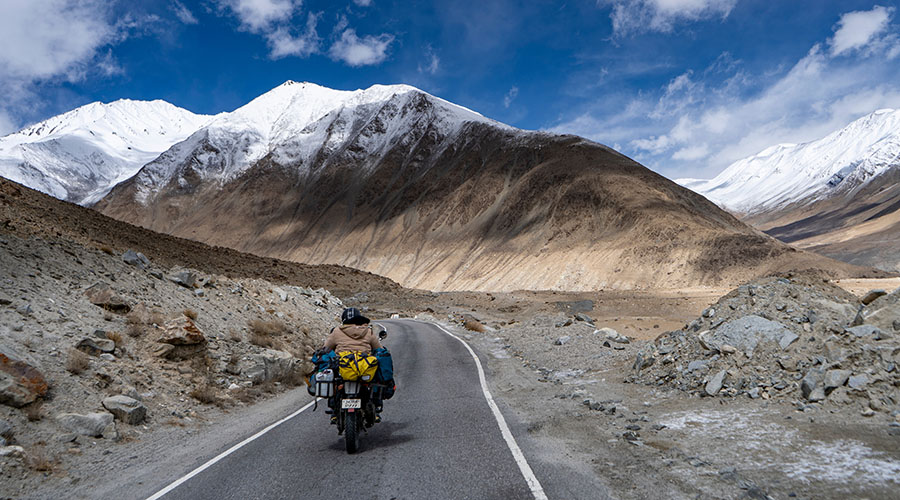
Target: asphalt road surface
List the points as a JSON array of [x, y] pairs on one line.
[[438, 439]]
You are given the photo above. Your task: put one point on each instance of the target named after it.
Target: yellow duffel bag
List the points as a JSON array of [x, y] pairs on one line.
[[357, 366]]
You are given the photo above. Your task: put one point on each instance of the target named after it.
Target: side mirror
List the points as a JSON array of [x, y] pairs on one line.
[[382, 335]]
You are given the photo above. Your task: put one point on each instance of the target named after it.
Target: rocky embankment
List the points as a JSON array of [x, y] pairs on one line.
[[795, 338], [98, 347]]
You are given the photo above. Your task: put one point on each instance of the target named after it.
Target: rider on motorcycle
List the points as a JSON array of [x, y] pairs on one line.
[[354, 334]]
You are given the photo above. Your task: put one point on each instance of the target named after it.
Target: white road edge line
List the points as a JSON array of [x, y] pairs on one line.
[[536, 489], [229, 451]]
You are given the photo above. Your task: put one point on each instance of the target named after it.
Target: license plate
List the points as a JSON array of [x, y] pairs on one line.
[[347, 404]]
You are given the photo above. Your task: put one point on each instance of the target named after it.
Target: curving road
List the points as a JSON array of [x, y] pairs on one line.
[[439, 439]]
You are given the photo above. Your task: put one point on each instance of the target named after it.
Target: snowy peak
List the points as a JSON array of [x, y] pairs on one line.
[[79, 155], [786, 174]]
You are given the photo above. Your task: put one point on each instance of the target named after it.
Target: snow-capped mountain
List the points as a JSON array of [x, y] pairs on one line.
[[295, 123], [398, 182], [789, 174], [80, 155]]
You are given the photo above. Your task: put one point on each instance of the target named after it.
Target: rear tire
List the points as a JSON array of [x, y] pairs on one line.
[[351, 431]]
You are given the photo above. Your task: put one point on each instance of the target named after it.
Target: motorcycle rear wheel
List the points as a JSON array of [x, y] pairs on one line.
[[351, 432]]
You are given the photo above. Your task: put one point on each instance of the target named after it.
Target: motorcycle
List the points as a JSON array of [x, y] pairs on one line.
[[352, 403]]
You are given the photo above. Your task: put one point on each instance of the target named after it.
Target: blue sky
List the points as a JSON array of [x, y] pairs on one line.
[[683, 86]]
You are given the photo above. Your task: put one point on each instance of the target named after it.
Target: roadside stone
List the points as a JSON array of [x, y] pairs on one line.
[[21, 382], [562, 340], [269, 365], [126, 409], [835, 379], [858, 382], [812, 385], [102, 295], [715, 384], [872, 296], [136, 259], [186, 279], [613, 336], [92, 424], [95, 346]]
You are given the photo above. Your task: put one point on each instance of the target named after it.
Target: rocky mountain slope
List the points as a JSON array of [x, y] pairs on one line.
[[838, 196], [397, 182], [78, 156]]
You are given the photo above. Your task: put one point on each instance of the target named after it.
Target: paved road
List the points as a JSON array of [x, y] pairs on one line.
[[438, 439]]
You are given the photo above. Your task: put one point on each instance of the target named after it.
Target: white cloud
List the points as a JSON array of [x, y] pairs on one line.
[[363, 3], [282, 43], [510, 96], [696, 127], [857, 29], [431, 67], [365, 51], [183, 13], [261, 16], [631, 16]]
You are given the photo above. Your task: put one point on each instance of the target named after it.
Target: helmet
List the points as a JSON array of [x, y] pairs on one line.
[[352, 316]]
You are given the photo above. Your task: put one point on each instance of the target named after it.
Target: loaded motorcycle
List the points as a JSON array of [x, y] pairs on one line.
[[354, 390]]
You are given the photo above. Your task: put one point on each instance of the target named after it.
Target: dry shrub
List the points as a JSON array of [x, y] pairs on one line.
[[205, 394], [247, 394], [274, 327], [190, 313], [174, 422], [235, 336], [77, 362], [261, 340], [34, 412], [107, 249], [37, 460], [134, 330], [108, 316], [116, 337], [474, 326]]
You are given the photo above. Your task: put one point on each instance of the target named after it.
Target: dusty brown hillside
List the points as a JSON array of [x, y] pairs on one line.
[[493, 210], [26, 213]]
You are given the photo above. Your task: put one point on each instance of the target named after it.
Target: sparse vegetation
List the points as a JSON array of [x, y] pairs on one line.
[[77, 362], [261, 339], [115, 337], [274, 327], [235, 336], [37, 460], [107, 249], [190, 313], [34, 412], [474, 326], [205, 394]]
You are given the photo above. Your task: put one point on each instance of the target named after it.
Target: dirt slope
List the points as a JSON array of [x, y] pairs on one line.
[[494, 210]]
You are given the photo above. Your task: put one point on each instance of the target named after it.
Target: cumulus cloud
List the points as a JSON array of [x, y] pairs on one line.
[[697, 124], [52, 40], [260, 16], [272, 19], [510, 96], [632, 16], [858, 29], [355, 51], [183, 13], [282, 43]]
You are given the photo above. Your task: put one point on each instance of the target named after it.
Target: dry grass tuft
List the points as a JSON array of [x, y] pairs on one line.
[[190, 313], [274, 327], [37, 460], [77, 362], [34, 412], [116, 337], [205, 394], [107, 249], [261, 340], [474, 326]]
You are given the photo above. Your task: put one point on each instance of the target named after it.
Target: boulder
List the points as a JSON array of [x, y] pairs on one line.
[[136, 259], [126, 409], [746, 333], [613, 336], [102, 295], [858, 382], [21, 382], [95, 346], [715, 383], [872, 296], [182, 331], [812, 385], [268, 366], [186, 279], [835, 379], [92, 424]]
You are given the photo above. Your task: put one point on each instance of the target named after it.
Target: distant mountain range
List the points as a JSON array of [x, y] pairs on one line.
[[400, 183], [839, 195]]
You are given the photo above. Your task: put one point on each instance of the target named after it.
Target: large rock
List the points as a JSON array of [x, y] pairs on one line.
[[269, 365], [92, 424], [746, 333], [872, 295], [136, 259], [95, 346], [835, 379], [182, 331], [715, 383], [613, 336], [812, 385], [126, 409], [102, 295], [21, 382], [186, 279]]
